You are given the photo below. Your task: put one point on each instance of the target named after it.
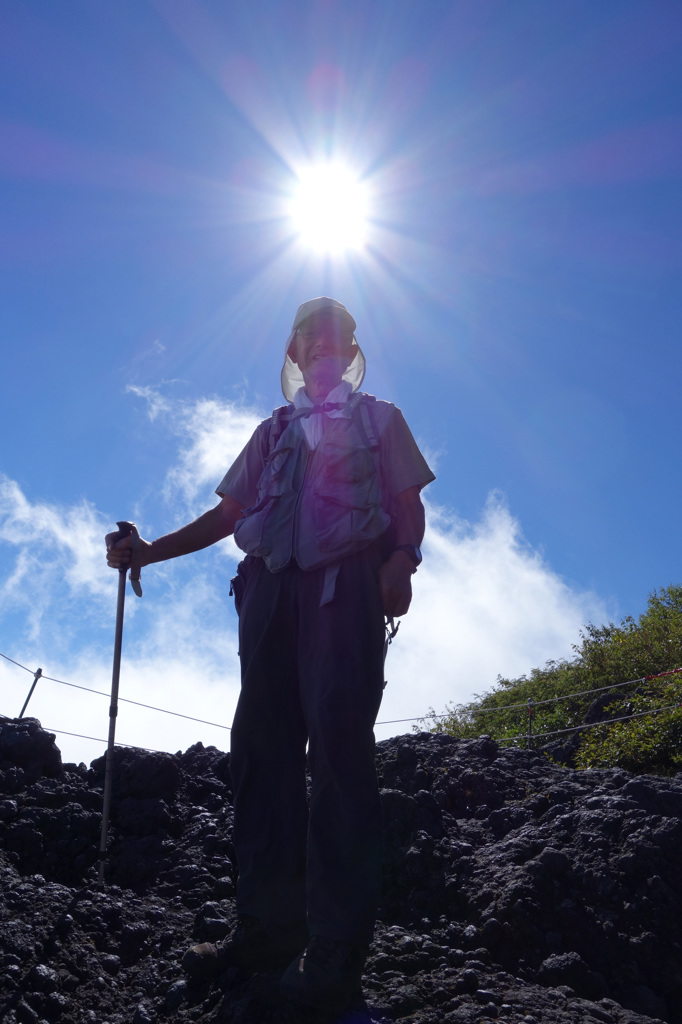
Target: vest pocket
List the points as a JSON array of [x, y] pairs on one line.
[[345, 467], [342, 528], [250, 529], [347, 502], [276, 478], [251, 532]]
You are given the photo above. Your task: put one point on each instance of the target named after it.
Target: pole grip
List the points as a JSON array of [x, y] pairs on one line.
[[127, 529]]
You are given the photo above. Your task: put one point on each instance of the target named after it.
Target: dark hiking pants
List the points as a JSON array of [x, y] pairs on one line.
[[311, 676]]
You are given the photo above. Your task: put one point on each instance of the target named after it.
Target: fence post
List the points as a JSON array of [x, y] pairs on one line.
[[529, 741], [36, 677]]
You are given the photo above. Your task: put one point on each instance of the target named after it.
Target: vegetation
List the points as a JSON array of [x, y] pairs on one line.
[[610, 678]]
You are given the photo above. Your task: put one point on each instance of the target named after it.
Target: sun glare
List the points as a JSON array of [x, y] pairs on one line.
[[329, 209]]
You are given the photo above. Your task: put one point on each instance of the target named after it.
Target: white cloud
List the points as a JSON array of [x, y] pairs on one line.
[[156, 402], [179, 654], [213, 433], [190, 685], [57, 607], [485, 604], [56, 554]]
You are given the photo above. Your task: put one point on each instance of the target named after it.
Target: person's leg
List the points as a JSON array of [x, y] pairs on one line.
[[341, 674], [268, 758], [268, 769], [341, 668]]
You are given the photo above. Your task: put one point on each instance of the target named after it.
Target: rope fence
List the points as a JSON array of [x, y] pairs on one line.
[[529, 706]]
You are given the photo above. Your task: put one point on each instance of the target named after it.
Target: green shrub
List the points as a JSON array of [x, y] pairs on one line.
[[650, 743], [617, 656]]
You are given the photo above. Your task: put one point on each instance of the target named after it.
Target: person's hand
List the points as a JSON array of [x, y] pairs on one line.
[[119, 551], [395, 584]]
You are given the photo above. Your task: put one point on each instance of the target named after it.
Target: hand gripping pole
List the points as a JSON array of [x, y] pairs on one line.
[[125, 529]]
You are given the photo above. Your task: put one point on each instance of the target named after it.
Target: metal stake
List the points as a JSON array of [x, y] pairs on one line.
[[529, 742], [36, 677]]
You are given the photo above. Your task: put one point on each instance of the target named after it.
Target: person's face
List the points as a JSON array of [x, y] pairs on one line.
[[322, 349]]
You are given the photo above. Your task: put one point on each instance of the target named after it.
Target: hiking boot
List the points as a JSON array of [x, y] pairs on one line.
[[326, 976], [250, 947]]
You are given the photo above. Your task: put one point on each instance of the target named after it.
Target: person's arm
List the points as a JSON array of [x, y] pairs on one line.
[[212, 526], [395, 575]]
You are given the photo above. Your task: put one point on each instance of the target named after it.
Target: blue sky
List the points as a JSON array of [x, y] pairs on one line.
[[518, 296]]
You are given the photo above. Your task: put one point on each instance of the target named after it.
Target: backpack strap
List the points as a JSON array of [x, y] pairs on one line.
[[279, 421], [364, 418]]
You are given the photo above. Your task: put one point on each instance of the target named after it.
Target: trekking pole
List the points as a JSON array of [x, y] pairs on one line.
[[125, 529]]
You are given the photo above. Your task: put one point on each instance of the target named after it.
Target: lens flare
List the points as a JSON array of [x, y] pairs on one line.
[[329, 209]]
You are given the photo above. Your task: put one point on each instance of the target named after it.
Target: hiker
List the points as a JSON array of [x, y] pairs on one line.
[[325, 502]]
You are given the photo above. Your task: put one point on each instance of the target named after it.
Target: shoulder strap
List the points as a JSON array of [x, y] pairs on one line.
[[279, 421], [361, 408]]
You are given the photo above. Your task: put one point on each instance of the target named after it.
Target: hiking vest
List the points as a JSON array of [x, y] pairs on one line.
[[316, 506]]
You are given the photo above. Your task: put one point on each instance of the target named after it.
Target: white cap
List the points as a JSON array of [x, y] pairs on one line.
[[292, 378]]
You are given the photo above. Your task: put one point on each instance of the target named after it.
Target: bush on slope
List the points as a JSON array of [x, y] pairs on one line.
[[609, 679]]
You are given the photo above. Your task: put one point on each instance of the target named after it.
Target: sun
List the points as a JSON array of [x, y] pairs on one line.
[[329, 209]]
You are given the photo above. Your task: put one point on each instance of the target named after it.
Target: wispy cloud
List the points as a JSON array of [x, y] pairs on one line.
[[213, 434], [157, 402], [485, 604]]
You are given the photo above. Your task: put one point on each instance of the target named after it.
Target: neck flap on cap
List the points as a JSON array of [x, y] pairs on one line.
[[292, 378]]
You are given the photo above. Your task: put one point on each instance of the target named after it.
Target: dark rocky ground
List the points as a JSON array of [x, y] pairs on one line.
[[515, 890]]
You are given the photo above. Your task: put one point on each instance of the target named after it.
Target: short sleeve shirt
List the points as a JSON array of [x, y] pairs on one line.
[[402, 463]]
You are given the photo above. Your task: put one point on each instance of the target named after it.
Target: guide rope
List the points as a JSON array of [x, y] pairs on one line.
[[529, 705]]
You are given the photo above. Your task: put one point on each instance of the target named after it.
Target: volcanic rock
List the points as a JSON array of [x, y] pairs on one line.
[[514, 889]]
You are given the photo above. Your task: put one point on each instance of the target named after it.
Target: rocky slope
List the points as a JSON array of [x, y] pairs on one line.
[[515, 890]]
